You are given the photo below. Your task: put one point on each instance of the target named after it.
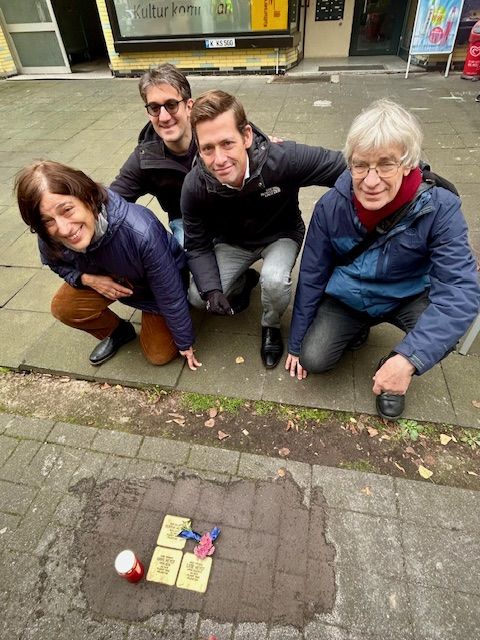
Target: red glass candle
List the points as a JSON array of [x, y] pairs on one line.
[[129, 566]]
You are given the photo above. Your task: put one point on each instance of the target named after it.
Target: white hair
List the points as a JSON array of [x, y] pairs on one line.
[[382, 125]]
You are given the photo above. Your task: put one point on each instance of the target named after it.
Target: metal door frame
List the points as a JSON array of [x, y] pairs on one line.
[[32, 27]]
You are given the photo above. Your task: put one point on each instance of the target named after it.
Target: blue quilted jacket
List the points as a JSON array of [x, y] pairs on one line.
[[137, 251], [427, 249]]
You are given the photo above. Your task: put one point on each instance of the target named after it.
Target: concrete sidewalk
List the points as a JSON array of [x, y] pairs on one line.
[[307, 553], [93, 124]]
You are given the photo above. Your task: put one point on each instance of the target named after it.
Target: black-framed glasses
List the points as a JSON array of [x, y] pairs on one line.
[[170, 106], [385, 169]]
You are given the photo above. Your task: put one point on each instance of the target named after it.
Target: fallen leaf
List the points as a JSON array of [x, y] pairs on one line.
[[119, 386], [179, 421], [424, 472], [284, 452], [472, 473], [430, 460], [104, 386], [399, 466], [245, 432], [384, 437], [476, 404], [281, 472], [209, 423], [444, 439], [410, 450], [290, 425], [239, 360], [372, 432], [212, 412], [366, 491], [222, 435], [454, 439], [353, 420], [177, 415]]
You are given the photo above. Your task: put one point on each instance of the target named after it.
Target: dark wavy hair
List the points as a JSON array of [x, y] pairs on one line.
[[45, 175]]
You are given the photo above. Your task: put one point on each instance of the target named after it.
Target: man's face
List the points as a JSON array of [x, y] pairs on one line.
[[223, 148], [372, 191], [174, 129]]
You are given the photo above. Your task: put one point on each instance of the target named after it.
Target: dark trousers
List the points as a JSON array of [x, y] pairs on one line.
[[336, 325]]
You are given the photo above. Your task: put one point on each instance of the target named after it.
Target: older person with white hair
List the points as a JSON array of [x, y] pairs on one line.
[[383, 246]]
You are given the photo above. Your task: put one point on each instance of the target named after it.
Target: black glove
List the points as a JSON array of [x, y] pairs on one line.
[[433, 178], [217, 303]]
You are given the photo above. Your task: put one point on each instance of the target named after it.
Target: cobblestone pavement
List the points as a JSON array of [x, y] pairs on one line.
[[310, 553], [93, 124]]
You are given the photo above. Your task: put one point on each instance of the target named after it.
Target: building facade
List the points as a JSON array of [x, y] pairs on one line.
[[203, 36]]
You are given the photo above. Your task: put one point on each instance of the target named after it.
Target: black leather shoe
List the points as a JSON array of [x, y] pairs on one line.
[[390, 406], [109, 346], [359, 340], [272, 347], [241, 301]]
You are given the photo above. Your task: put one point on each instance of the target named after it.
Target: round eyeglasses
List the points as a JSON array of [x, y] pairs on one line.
[[170, 106], [386, 169]]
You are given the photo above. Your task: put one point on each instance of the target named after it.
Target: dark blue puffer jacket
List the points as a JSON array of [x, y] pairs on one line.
[[427, 249], [137, 251]]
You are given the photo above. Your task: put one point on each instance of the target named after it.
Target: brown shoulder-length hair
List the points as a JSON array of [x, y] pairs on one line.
[[45, 175], [212, 104]]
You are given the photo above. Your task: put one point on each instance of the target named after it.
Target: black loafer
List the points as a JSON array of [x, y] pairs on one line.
[[272, 347], [359, 340], [241, 301], [109, 346], [390, 406]]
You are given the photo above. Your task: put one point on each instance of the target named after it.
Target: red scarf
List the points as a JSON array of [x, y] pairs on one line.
[[408, 188]]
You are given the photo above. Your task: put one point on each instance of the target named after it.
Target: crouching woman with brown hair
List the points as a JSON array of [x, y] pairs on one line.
[[107, 249]]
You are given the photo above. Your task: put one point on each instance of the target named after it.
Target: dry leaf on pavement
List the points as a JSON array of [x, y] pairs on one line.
[[372, 432], [281, 472], [444, 439], [290, 425], [213, 412], [366, 491], [104, 386], [410, 450], [424, 472], [209, 423], [180, 421], [222, 435], [284, 452], [476, 403], [239, 360]]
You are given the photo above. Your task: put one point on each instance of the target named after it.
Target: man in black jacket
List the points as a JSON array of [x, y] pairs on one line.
[[166, 149], [240, 205]]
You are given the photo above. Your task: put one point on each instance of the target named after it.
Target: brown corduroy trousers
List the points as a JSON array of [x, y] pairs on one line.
[[88, 310]]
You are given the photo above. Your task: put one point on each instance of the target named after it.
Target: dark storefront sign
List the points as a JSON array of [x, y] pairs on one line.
[[166, 24]]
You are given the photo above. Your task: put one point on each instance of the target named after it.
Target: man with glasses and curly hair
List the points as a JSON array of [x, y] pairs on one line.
[[166, 149]]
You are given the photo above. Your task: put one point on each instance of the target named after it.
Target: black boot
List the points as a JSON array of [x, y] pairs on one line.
[[272, 347], [109, 346], [389, 405], [241, 301], [359, 340]]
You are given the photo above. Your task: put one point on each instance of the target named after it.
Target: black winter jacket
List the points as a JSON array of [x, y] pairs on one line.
[[138, 252], [149, 170], [264, 210]]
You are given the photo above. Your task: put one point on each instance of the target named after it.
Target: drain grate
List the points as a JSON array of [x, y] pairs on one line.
[[351, 67]]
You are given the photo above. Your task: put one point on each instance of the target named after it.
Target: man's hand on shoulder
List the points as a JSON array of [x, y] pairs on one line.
[[218, 303]]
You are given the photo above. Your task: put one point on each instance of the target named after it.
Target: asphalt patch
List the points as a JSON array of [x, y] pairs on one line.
[[272, 562]]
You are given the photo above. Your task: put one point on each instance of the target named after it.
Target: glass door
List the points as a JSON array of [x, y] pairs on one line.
[[33, 36], [377, 26]]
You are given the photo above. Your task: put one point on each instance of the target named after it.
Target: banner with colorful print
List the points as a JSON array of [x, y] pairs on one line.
[[436, 25]]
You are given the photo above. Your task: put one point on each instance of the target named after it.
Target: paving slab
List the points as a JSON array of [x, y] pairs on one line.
[[12, 280], [19, 330], [462, 376], [22, 252], [37, 293]]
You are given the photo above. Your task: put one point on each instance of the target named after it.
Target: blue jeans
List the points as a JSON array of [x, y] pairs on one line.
[[275, 276], [336, 324], [176, 227]]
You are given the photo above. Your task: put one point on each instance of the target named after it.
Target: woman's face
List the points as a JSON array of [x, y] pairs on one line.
[[371, 190], [67, 220]]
